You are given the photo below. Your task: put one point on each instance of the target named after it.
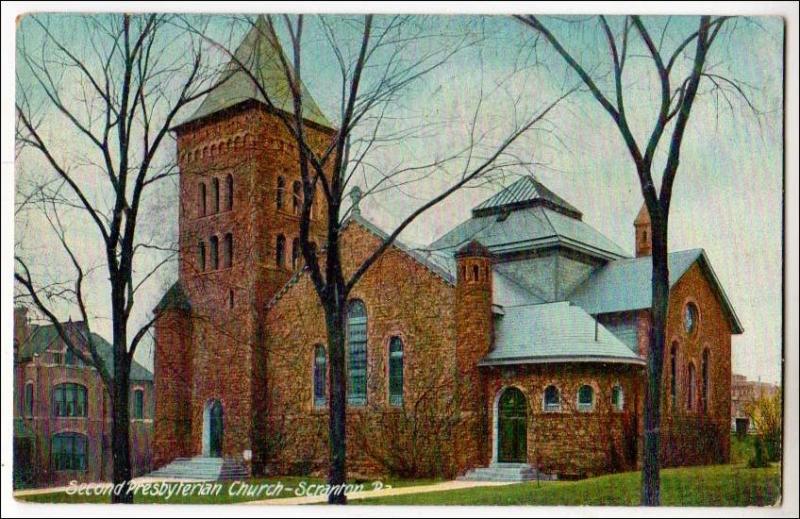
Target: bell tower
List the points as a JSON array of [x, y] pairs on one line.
[[644, 243]]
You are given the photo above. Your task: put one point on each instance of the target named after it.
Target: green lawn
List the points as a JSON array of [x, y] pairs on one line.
[[717, 485]]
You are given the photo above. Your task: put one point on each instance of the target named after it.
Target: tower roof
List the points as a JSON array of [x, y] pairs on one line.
[[261, 52], [525, 192], [643, 218]]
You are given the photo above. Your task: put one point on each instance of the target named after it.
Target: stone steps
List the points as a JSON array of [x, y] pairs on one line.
[[201, 469], [506, 472]]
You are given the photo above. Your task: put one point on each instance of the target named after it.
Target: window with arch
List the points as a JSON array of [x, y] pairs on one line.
[[69, 400], [673, 373], [396, 371], [476, 272], [320, 369], [229, 192], [691, 394], [215, 195], [617, 398], [280, 250], [585, 398], [201, 256], [552, 399], [690, 317], [227, 251], [295, 253], [68, 451], [704, 390], [297, 196], [214, 252], [279, 193], [202, 200], [357, 353], [138, 404], [28, 409]]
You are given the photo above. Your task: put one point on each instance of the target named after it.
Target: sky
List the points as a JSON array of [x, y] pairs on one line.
[[727, 197]]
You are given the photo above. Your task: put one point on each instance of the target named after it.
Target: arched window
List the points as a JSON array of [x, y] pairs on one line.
[[585, 398], [201, 256], [673, 373], [202, 200], [68, 451], [396, 371], [227, 251], [320, 369], [279, 193], [357, 353], [475, 272], [704, 373], [69, 400], [690, 316], [138, 404], [297, 196], [214, 253], [617, 398], [215, 195], [691, 394], [280, 250], [295, 253], [552, 399], [229, 192], [29, 399]]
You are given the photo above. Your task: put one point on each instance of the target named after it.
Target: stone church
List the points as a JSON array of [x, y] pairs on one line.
[[518, 339]]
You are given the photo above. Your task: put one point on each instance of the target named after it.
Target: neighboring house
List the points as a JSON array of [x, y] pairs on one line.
[[62, 410], [521, 335], [743, 394]]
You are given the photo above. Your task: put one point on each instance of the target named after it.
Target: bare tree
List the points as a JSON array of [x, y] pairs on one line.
[[680, 72], [112, 90], [377, 60]]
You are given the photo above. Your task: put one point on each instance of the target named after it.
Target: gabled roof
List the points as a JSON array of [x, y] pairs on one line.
[[624, 285], [174, 298], [261, 52], [525, 192], [554, 332], [43, 336]]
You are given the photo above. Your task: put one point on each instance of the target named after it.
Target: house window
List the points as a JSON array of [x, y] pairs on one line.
[[69, 400], [673, 374], [396, 371], [357, 353], [705, 387], [227, 251], [692, 392], [201, 256], [297, 196], [585, 398], [138, 404], [202, 201], [279, 193], [690, 318], [229, 192], [69, 357], [617, 398], [68, 452], [475, 272], [29, 399], [280, 248], [214, 253], [58, 358], [320, 369], [552, 399], [215, 195]]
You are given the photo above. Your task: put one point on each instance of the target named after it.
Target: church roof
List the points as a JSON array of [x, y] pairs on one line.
[[525, 192], [554, 332], [260, 51]]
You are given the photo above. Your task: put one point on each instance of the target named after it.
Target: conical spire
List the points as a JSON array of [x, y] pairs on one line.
[[261, 52]]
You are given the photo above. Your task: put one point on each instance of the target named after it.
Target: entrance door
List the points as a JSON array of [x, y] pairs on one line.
[[215, 430], [512, 427]]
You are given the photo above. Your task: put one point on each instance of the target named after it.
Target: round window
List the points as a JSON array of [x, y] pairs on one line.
[[690, 318]]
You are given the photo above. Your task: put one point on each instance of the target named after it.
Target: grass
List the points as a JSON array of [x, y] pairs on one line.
[[741, 448], [716, 485]]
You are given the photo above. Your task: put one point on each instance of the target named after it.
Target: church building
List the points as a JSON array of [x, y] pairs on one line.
[[516, 340]]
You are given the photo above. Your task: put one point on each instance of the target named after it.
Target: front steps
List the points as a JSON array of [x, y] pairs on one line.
[[201, 469], [507, 472]]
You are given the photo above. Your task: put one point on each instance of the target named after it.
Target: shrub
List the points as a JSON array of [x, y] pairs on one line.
[[767, 416], [759, 459]]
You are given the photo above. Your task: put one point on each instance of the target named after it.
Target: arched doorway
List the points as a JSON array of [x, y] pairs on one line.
[[512, 427], [212, 429]]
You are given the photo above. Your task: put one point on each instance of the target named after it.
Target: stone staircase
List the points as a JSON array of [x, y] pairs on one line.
[[201, 469], [507, 472]]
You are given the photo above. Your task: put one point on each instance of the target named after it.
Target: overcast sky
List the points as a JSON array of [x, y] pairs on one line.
[[727, 197]]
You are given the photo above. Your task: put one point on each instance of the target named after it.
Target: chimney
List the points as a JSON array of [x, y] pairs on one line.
[[644, 242], [21, 324]]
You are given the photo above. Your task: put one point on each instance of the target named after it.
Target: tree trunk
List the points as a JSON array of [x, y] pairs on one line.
[[120, 428], [337, 472], [651, 479]]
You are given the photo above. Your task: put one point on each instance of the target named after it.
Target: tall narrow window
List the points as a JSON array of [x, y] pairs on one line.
[[585, 398], [673, 374], [69, 357], [297, 196], [29, 399], [691, 394], [69, 400], [227, 251], [357, 353], [320, 369], [202, 200], [295, 253], [617, 398], [279, 193], [280, 250], [552, 399], [214, 253], [396, 371], [138, 404], [201, 256], [704, 369], [215, 195], [68, 452], [229, 192]]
